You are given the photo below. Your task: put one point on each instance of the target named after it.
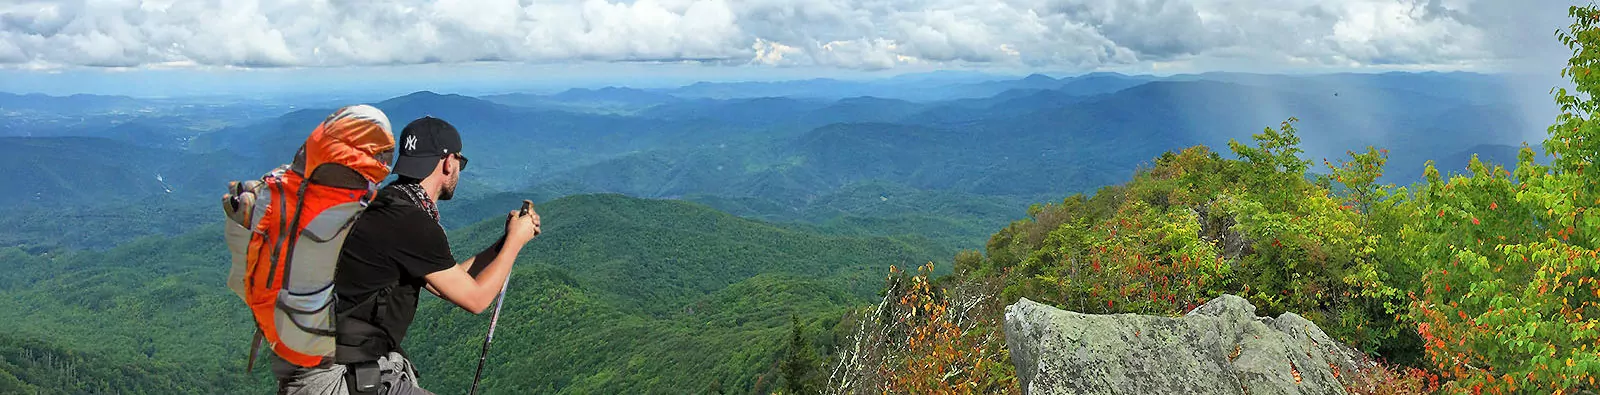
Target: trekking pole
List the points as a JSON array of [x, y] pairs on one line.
[[495, 318]]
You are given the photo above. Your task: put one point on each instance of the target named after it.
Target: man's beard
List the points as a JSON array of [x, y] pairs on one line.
[[449, 191]]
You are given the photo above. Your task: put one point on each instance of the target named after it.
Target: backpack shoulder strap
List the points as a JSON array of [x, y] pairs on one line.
[[389, 198]]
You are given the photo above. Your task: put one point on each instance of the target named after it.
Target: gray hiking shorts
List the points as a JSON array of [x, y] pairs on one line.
[[398, 377]]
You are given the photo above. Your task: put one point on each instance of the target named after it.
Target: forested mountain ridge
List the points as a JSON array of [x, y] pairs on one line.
[[613, 278], [764, 219]]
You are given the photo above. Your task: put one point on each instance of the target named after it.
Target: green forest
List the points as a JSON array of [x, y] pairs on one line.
[[1483, 279], [1476, 280], [616, 285]]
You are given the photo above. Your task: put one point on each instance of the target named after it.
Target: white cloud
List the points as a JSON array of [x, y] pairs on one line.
[[1058, 34], [869, 54], [772, 54]]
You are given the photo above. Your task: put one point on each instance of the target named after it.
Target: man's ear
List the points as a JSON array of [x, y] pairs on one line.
[[445, 163]]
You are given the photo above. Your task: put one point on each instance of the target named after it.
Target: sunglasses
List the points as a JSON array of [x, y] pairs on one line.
[[463, 159]]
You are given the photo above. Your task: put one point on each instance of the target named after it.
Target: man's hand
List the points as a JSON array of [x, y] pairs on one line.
[[523, 225]]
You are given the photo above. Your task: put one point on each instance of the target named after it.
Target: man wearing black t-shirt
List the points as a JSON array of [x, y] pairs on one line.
[[395, 249]]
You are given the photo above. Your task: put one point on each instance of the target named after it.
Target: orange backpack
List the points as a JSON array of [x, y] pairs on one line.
[[286, 229]]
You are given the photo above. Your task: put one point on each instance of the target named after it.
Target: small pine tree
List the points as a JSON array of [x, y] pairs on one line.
[[799, 368]]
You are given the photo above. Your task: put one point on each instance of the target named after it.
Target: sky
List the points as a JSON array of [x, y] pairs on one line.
[[169, 47]]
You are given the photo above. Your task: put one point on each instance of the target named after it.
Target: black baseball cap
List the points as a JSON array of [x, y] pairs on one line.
[[422, 144]]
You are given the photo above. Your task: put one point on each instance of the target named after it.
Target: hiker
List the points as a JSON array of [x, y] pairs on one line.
[[395, 249]]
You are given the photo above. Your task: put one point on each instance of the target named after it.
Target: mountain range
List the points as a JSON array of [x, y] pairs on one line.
[[613, 281], [685, 227]]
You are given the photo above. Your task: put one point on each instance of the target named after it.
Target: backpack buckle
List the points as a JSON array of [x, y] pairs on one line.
[[365, 377]]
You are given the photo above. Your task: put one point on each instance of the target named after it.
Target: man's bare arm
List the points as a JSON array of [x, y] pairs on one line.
[[475, 264], [475, 292]]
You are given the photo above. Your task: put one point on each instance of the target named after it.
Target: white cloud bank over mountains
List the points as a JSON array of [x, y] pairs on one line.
[[865, 34]]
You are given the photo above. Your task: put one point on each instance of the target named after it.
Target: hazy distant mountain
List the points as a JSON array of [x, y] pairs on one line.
[[1082, 85], [820, 88], [1048, 135], [763, 111], [64, 171], [1100, 83], [918, 87], [1022, 142], [603, 100], [628, 96], [447, 106], [510, 145], [52, 169], [1010, 103], [918, 155], [274, 139], [74, 104], [1473, 88], [1403, 121], [170, 123], [947, 76], [986, 88], [862, 109], [150, 133]]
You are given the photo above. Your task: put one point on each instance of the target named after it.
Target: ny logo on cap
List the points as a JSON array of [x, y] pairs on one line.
[[411, 143]]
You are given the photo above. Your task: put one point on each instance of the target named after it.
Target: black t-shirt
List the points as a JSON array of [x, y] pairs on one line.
[[393, 243]]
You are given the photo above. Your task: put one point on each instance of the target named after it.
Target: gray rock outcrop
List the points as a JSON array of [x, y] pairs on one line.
[[1219, 348]]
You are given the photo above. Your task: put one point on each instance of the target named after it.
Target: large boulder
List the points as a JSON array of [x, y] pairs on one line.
[[1219, 348]]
